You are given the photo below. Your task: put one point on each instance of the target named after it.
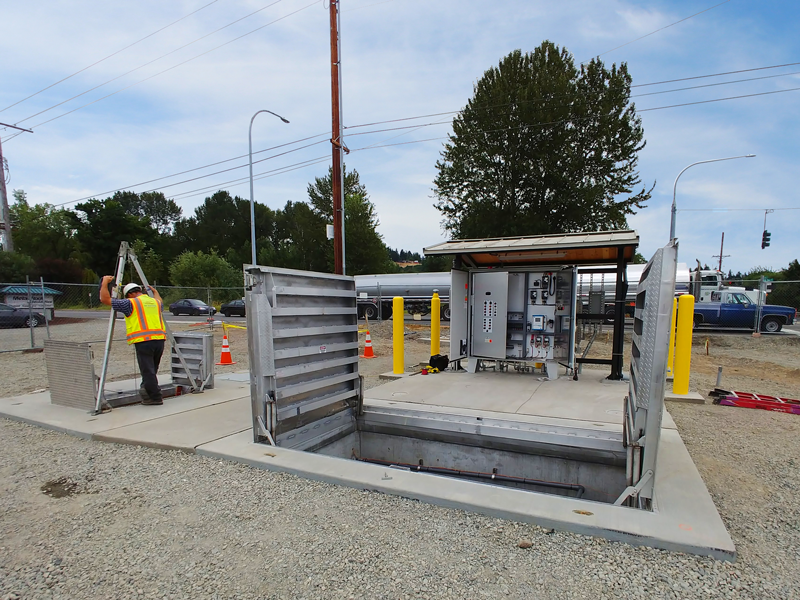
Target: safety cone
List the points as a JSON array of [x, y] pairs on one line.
[[225, 357], [368, 353]]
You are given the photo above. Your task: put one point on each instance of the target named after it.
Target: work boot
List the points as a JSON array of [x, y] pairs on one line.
[[143, 393], [150, 402]]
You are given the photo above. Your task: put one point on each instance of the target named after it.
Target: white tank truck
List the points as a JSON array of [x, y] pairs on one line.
[[375, 293], [603, 285]]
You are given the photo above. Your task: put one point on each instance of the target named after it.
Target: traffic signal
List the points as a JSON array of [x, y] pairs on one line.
[[765, 239]]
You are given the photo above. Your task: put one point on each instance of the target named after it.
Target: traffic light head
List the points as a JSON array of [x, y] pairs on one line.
[[765, 237]]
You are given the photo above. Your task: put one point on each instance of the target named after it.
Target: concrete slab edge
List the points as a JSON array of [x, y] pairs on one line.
[[412, 489], [50, 427], [690, 398]]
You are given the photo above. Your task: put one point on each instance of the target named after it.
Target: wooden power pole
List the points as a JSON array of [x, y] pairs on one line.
[[8, 241], [337, 179]]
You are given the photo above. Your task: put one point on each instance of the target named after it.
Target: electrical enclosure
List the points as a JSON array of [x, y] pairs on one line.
[[520, 317]]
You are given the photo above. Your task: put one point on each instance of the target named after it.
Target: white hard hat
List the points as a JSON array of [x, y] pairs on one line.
[[130, 288]]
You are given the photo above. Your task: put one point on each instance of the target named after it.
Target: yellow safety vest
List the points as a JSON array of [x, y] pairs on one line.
[[145, 322]]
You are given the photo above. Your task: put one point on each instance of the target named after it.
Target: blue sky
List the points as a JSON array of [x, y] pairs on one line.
[[400, 59]]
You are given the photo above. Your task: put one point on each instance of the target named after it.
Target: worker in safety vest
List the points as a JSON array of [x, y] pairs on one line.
[[144, 328]]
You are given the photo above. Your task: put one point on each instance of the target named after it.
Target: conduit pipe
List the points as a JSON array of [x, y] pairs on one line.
[[579, 489]]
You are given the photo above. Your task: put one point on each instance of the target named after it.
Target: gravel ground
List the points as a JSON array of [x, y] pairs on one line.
[[146, 523], [143, 523]]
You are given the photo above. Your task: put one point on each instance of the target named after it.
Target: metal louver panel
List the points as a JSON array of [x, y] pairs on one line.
[[70, 374], [303, 345]]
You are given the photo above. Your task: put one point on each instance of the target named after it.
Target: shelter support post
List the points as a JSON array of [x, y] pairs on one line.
[[620, 294]]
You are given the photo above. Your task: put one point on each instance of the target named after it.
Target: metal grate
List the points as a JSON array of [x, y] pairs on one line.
[[303, 345], [70, 373], [198, 352]]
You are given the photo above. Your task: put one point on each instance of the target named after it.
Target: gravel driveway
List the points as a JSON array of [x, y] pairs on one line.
[[146, 523], [143, 523]]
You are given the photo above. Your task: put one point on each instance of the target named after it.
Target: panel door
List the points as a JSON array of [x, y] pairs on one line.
[[459, 311], [489, 313]]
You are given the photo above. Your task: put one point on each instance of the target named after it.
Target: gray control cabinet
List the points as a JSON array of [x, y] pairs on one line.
[[523, 316]]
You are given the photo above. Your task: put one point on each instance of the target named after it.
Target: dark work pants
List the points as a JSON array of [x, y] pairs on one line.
[[148, 354]]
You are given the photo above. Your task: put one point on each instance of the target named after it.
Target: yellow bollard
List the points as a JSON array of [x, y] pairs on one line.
[[673, 325], [683, 344], [436, 307], [398, 331]]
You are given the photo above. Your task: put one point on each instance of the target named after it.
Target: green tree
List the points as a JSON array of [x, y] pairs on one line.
[[42, 231], [162, 212], [542, 147], [153, 265], [299, 240], [222, 223], [365, 251], [101, 226], [14, 266], [200, 269]]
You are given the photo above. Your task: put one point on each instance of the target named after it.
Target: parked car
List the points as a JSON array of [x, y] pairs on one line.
[[235, 307], [191, 307], [19, 317]]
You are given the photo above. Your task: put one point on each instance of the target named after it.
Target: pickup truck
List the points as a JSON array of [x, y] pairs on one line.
[[735, 309]]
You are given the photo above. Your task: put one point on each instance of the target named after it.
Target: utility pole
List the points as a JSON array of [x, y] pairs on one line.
[[337, 176], [721, 255], [8, 241]]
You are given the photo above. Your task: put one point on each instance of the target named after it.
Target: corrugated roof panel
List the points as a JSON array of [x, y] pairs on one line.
[[35, 289], [539, 242]]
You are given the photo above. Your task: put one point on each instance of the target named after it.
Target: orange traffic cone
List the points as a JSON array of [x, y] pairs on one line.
[[225, 357], [368, 353]]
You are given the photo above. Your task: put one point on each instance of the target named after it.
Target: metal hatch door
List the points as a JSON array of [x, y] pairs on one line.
[[303, 346], [489, 308], [644, 405]]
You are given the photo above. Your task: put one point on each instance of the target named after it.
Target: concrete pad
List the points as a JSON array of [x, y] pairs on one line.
[[691, 397], [691, 525], [36, 409], [477, 391], [390, 375], [186, 430]]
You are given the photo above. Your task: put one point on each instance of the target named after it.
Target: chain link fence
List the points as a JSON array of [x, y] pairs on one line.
[[31, 314]]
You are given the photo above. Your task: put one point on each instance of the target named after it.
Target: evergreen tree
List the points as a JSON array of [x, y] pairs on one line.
[[542, 147]]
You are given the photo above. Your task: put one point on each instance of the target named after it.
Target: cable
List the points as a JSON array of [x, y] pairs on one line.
[[657, 30], [705, 85], [144, 65], [733, 209], [127, 187], [109, 56], [718, 99], [792, 64]]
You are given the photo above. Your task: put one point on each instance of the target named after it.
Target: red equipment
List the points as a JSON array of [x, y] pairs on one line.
[[762, 401]]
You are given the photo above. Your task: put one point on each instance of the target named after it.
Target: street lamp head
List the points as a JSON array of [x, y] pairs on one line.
[[749, 155], [287, 120]]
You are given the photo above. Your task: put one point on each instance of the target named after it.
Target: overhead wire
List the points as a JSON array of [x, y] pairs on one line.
[[97, 62], [657, 30], [170, 68]]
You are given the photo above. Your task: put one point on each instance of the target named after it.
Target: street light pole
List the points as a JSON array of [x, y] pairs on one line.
[[8, 240], [675, 187], [252, 201]]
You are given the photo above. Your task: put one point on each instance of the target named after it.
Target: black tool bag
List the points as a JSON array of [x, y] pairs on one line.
[[439, 361]]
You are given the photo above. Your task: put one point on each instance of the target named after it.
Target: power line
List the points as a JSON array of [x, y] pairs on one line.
[[144, 65], [109, 56], [733, 209], [719, 99], [705, 85], [660, 29], [174, 66], [792, 64]]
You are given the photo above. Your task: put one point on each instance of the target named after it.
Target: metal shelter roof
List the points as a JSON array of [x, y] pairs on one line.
[[35, 290], [568, 248]]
